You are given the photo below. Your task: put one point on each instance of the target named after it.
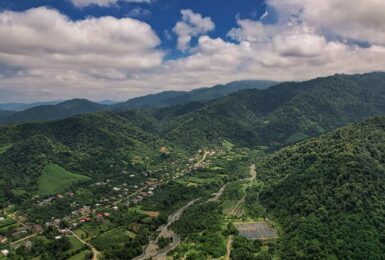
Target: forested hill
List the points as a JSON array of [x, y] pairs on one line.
[[280, 115], [328, 194], [170, 98], [95, 145], [89, 144], [54, 112]]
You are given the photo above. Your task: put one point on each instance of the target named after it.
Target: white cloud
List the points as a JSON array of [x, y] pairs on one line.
[[104, 3], [84, 3], [47, 56], [354, 19], [192, 25], [43, 37]]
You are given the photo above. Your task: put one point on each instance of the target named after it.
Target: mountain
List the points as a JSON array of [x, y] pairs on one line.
[[5, 113], [44, 111], [275, 117], [328, 194], [106, 102], [53, 112], [153, 100], [278, 116], [94, 145], [169, 98], [24, 106]]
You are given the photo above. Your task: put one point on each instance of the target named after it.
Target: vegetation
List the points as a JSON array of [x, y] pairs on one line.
[[325, 195], [328, 194], [55, 180]]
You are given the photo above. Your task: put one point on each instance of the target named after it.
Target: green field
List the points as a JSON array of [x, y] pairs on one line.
[[3, 149], [227, 145], [110, 238], [81, 256], [56, 179]]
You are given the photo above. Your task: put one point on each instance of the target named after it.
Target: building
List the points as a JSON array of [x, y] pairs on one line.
[[37, 228], [3, 239], [4, 252], [99, 217]]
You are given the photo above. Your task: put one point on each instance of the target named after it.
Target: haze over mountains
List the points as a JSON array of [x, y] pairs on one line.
[[54, 110]]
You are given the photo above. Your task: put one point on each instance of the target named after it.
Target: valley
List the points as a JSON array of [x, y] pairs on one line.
[[295, 171]]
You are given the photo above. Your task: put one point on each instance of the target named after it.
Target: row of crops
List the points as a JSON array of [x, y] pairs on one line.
[[111, 238]]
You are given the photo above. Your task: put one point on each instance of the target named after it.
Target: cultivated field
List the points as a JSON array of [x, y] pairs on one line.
[[256, 230]]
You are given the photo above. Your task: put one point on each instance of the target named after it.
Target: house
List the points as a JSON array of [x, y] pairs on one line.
[[2, 219], [85, 220], [4, 252], [56, 222], [3, 239], [37, 228], [116, 189], [99, 217], [115, 208], [63, 231], [58, 237], [106, 214], [28, 245]]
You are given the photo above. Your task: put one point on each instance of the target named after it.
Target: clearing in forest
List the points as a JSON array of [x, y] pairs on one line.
[[256, 230], [55, 179]]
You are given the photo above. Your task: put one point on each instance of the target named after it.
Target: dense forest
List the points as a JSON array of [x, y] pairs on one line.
[[328, 194]]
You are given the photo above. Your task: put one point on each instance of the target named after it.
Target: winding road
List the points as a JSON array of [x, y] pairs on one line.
[[95, 252], [152, 251]]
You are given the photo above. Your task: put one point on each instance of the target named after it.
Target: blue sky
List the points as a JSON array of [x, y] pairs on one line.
[[162, 15], [119, 49]]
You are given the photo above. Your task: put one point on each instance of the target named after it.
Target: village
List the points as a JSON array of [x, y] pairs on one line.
[[17, 230]]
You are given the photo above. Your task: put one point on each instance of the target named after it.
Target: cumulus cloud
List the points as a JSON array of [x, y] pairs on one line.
[[43, 37], [192, 25], [47, 56]]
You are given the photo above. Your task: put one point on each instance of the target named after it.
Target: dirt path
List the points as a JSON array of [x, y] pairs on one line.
[[202, 160], [228, 247], [23, 239], [253, 172], [152, 251], [95, 252]]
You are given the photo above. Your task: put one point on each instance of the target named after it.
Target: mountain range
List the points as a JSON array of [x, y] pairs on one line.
[[321, 180], [58, 110]]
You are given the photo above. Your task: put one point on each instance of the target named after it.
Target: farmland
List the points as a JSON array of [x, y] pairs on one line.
[[256, 230], [111, 238], [56, 179]]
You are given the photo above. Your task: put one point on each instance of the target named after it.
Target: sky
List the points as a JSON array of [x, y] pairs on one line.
[[119, 49]]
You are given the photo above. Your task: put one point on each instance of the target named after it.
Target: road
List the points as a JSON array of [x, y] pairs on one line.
[[203, 158], [217, 195], [95, 252], [228, 247]]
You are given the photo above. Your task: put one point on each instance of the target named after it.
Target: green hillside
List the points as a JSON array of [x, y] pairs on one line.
[[280, 115], [55, 179], [95, 145], [328, 194]]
